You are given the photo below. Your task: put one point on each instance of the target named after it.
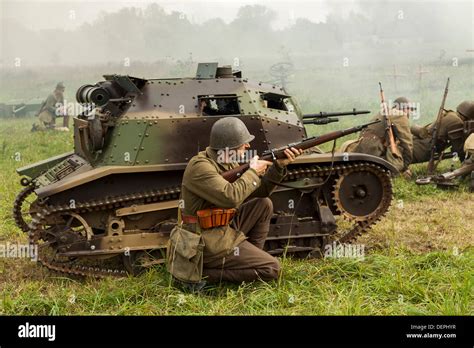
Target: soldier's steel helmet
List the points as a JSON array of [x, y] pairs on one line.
[[400, 102], [229, 132], [466, 109], [60, 85]]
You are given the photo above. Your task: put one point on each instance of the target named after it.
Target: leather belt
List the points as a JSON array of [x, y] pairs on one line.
[[210, 218], [189, 219]]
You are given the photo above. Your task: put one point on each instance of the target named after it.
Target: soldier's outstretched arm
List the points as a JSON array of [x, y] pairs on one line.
[[204, 181]]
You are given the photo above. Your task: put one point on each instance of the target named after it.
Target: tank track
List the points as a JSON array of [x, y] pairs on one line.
[[36, 228], [18, 203], [37, 232]]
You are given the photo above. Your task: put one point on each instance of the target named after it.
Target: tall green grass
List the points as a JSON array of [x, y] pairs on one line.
[[394, 278]]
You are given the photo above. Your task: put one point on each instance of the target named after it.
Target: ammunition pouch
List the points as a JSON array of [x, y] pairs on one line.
[[215, 217], [213, 225], [185, 255]]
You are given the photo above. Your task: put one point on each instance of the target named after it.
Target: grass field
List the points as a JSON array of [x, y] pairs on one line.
[[419, 260]]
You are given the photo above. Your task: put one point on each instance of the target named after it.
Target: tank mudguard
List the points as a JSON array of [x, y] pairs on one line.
[[96, 173], [345, 157], [100, 172], [34, 170]]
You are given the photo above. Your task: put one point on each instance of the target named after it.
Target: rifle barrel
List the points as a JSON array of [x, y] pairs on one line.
[[333, 114], [269, 155], [320, 120]]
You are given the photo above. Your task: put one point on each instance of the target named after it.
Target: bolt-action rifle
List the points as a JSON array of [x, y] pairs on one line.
[[328, 117], [274, 154], [435, 132]]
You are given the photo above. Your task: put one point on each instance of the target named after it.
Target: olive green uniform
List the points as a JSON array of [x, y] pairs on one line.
[[47, 113], [232, 253], [372, 141], [422, 137]]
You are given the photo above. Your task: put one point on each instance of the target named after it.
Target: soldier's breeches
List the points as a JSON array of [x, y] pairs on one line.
[[253, 219], [248, 261], [421, 150], [46, 120]]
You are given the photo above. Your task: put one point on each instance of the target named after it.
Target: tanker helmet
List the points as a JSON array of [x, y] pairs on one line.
[[60, 85], [466, 110], [229, 132]]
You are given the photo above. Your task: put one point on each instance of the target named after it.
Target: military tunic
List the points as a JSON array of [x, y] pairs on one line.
[[232, 253], [372, 141], [422, 137], [48, 112]]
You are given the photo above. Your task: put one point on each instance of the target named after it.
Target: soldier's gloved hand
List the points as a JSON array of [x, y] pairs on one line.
[[291, 155], [259, 166]]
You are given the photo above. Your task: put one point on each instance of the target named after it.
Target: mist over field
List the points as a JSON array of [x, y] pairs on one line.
[[337, 50], [146, 32], [330, 55]]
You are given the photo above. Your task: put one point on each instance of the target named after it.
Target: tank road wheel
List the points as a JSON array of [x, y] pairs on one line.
[[137, 262], [361, 193], [23, 207], [362, 196]]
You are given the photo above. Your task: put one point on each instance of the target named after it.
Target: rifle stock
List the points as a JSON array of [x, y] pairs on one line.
[[274, 154]]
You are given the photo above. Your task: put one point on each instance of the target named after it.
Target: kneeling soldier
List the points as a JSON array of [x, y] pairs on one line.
[[233, 219]]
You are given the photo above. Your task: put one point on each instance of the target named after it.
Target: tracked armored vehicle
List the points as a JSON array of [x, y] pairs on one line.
[[116, 195]]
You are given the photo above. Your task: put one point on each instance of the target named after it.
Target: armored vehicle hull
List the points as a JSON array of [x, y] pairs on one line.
[[116, 196]]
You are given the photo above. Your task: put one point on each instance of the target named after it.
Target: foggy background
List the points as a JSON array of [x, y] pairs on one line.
[[329, 54]]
